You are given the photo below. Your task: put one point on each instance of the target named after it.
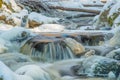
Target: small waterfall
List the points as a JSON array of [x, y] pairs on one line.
[[41, 48]]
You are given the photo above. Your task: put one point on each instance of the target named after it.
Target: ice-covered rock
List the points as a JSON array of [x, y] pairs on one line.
[[65, 3], [11, 5], [99, 66], [16, 36], [91, 2], [109, 15], [111, 76], [12, 59], [15, 19], [49, 28], [115, 54], [114, 41], [5, 27], [36, 19], [34, 71], [7, 74]]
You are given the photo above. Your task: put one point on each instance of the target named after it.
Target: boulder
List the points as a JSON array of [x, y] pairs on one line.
[[100, 66], [36, 19], [15, 19], [115, 54], [49, 28], [11, 5], [75, 46]]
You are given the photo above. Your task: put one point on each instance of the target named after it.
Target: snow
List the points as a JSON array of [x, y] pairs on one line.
[[69, 4], [7, 74], [5, 27], [74, 3], [115, 9], [34, 71], [117, 22], [49, 28], [12, 4], [41, 18], [92, 2]]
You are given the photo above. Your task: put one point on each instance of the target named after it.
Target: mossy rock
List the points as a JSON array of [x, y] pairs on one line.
[[112, 18], [105, 67], [100, 66]]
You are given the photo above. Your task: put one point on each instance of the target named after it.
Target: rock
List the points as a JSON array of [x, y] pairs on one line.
[[100, 50], [111, 76], [99, 66], [3, 49], [8, 74], [16, 37], [118, 77], [49, 28], [89, 53], [114, 41], [36, 19], [15, 19], [11, 5], [3, 16], [13, 59], [102, 19], [75, 46], [115, 54]]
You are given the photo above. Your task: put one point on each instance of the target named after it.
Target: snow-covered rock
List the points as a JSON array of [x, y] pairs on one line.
[[15, 19], [49, 28], [11, 5], [91, 2], [65, 3], [5, 27], [100, 66], [16, 36], [111, 76], [36, 72], [114, 41], [36, 19], [109, 16], [115, 54], [12, 59], [7, 74]]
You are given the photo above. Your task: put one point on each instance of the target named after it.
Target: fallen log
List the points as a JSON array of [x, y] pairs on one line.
[[75, 9], [81, 15], [90, 5]]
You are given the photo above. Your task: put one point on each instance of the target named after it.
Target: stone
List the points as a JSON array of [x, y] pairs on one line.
[[36, 19], [99, 66], [75, 46], [115, 54]]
